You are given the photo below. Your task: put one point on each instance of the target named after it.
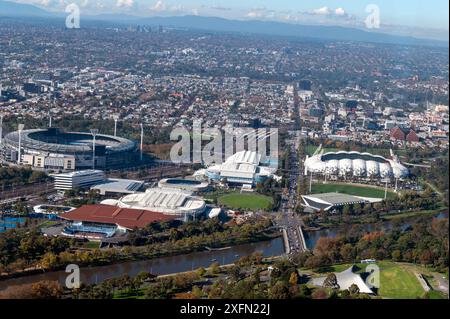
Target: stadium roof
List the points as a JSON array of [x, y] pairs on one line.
[[124, 217], [58, 141], [329, 200], [345, 279], [121, 186]]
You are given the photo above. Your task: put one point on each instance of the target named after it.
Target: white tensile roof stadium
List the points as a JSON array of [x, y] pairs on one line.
[[356, 164]]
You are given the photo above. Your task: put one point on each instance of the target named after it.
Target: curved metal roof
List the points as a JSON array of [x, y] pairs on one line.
[[57, 141]]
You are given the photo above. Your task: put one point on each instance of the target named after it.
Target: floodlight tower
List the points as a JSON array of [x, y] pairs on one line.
[[19, 158], [385, 189], [49, 119], [1, 128], [94, 133], [142, 140], [116, 118]]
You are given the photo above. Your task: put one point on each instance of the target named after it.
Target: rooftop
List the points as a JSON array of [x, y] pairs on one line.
[[335, 198], [124, 217], [123, 186], [79, 173]]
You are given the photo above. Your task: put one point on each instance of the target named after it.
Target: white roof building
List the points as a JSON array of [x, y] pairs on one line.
[[242, 167], [162, 200], [345, 279], [354, 163]]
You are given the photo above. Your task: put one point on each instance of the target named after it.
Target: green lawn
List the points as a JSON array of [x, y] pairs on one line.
[[398, 282], [246, 201], [433, 294], [351, 190], [310, 149]]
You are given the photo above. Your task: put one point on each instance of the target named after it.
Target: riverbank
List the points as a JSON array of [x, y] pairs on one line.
[[383, 217], [157, 266], [264, 236]]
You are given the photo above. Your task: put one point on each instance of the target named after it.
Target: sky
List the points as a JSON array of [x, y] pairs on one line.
[[397, 16]]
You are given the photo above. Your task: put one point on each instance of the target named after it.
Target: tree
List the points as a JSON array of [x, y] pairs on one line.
[[215, 268], [293, 279], [397, 255], [357, 208], [197, 292], [279, 291], [319, 294], [201, 271], [353, 289], [346, 210], [46, 290], [236, 273], [331, 281]]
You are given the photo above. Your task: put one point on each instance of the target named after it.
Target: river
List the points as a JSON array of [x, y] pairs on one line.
[[159, 266], [173, 264]]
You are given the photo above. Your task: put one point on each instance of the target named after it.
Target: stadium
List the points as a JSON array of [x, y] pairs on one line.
[[55, 149], [242, 168], [171, 202], [355, 164]]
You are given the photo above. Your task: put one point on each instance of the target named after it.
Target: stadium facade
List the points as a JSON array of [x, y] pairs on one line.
[[355, 164], [172, 202], [53, 148], [242, 168]]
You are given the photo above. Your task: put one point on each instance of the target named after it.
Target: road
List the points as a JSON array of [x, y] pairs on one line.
[[290, 222], [442, 282]]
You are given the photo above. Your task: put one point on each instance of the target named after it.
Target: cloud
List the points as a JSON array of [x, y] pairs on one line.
[[340, 12], [42, 3], [219, 8], [125, 3], [159, 6], [322, 11], [326, 11], [256, 15]]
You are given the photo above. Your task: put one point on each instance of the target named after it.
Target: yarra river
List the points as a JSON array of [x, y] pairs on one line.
[[187, 262]]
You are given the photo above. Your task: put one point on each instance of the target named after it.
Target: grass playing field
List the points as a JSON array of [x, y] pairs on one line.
[[246, 201], [351, 190], [398, 282]]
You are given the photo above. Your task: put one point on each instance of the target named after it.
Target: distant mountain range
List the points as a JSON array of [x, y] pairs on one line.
[[11, 9]]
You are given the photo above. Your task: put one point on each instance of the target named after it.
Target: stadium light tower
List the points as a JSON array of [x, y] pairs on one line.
[[385, 189], [19, 158], [49, 119], [94, 133], [142, 140], [116, 118], [1, 128]]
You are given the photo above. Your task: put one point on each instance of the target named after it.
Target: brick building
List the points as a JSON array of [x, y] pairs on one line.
[[404, 134]]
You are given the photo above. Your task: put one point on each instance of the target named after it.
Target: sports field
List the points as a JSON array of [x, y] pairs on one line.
[[246, 201], [398, 282], [351, 190]]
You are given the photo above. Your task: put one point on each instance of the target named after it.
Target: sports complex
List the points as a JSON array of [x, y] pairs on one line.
[[355, 165], [54, 148]]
